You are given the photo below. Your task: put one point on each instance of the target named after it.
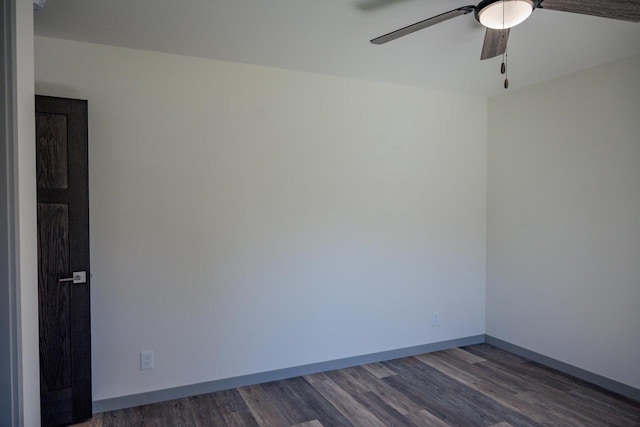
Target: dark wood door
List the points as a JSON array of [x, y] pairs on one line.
[[63, 254]]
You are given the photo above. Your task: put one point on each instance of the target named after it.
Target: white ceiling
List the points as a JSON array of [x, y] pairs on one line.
[[332, 37]]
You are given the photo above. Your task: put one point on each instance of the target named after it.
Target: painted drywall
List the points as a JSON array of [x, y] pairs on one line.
[[246, 219], [27, 270], [563, 267]]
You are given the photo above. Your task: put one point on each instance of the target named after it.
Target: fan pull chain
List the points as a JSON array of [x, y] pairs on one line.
[[505, 56], [504, 70]]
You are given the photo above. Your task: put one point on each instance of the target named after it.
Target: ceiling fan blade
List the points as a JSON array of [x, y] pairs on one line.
[[423, 24], [372, 5], [624, 10], [495, 43]]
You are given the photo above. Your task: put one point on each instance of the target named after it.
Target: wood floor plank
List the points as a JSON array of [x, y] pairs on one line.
[[590, 396], [465, 355], [238, 419], [312, 423], [394, 398], [314, 378], [148, 415], [225, 408], [209, 411], [281, 394], [378, 370], [426, 418], [526, 395], [450, 400], [604, 401], [454, 412], [181, 412], [305, 403], [559, 404], [527, 398], [383, 411], [557, 393], [264, 407], [507, 394], [348, 381], [494, 354], [96, 421], [347, 405], [570, 406]]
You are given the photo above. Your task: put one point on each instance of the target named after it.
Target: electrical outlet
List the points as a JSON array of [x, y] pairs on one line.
[[146, 360], [435, 319]]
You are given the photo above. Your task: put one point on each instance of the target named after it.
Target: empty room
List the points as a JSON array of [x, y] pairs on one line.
[[305, 213]]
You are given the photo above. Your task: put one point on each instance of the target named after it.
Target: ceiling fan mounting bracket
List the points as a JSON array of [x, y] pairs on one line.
[[467, 9]]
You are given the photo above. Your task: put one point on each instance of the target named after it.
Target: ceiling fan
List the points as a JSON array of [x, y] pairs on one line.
[[499, 16]]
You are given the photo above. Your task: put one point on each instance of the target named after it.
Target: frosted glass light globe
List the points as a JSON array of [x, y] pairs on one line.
[[499, 14]]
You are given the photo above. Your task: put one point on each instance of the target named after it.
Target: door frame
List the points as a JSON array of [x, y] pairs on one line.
[[10, 413]]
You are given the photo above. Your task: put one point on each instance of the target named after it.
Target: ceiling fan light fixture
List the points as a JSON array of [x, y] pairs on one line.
[[503, 14]]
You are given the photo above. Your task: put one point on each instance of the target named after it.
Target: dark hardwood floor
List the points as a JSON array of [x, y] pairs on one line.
[[478, 385]]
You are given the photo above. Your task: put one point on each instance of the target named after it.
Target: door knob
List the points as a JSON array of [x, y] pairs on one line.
[[78, 277]]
